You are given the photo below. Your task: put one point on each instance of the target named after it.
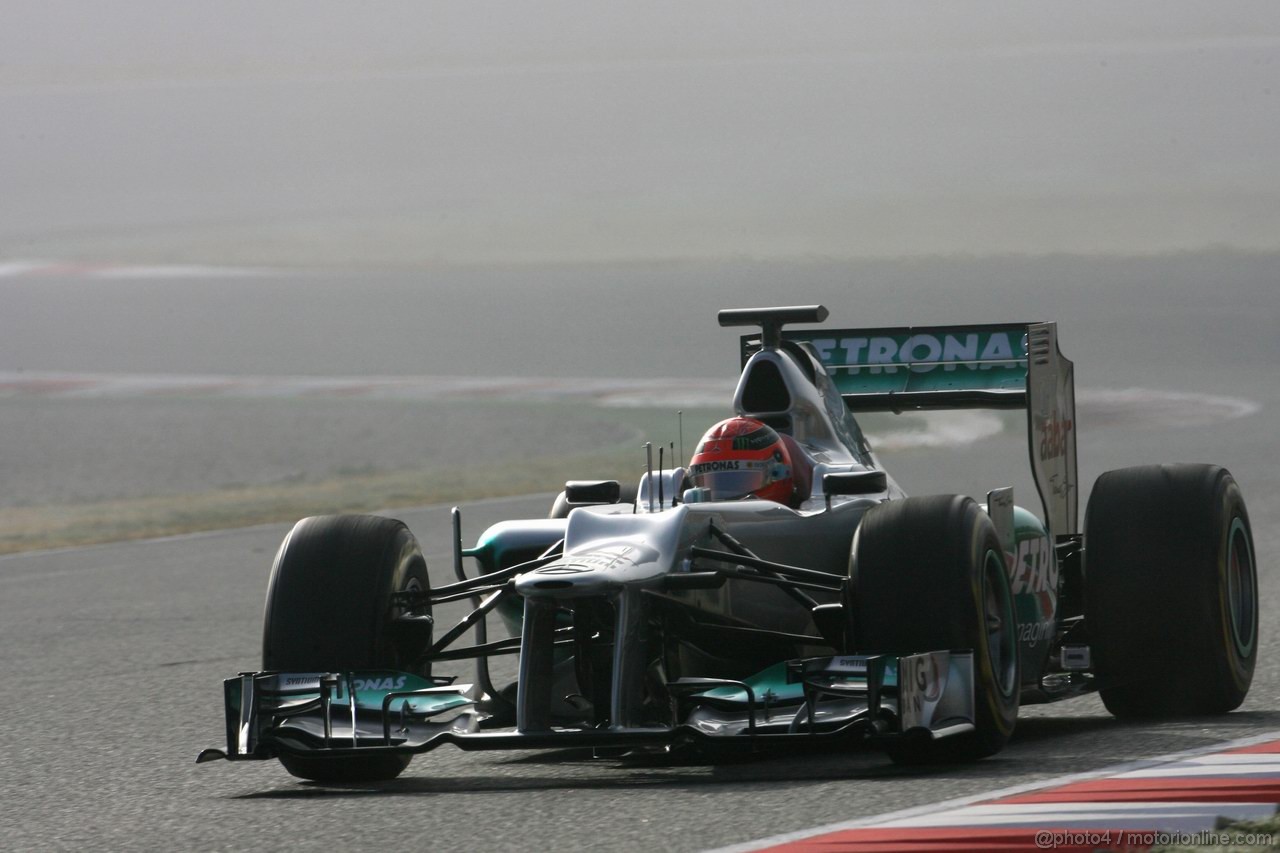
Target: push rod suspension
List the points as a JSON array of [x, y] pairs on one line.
[[783, 583], [473, 593], [492, 578], [507, 646], [823, 579], [467, 621]]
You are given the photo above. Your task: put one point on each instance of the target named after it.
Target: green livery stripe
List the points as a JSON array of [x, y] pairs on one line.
[[774, 682]]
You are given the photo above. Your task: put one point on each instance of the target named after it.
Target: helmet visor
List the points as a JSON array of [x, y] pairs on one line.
[[731, 485]]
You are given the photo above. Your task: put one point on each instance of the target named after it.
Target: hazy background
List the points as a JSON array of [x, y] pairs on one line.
[[478, 132], [233, 191], [225, 225]]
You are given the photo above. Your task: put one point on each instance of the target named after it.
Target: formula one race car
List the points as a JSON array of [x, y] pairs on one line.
[[781, 587]]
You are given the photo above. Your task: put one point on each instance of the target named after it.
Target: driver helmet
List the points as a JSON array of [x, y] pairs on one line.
[[741, 457]]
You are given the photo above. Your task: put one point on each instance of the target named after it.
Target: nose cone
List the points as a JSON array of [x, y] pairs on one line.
[[606, 551], [593, 571]]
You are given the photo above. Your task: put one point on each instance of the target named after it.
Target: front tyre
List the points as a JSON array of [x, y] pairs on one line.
[[928, 574], [1171, 591], [329, 609]]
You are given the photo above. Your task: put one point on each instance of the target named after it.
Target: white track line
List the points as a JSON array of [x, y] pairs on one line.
[[1135, 406], [33, 268]]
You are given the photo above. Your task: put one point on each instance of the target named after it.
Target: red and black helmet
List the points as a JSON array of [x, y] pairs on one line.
[[740, 457]]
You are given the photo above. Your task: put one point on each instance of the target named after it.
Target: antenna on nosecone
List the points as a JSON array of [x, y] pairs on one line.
[[675, 486], [661, 470], [680, 430], [648, 470]]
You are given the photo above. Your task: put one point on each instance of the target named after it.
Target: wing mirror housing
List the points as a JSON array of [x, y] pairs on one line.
[[592, 491], [854, 483]]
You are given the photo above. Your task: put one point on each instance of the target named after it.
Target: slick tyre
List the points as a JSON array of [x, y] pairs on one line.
[[1171, 591], [928, 574], [329, 609]]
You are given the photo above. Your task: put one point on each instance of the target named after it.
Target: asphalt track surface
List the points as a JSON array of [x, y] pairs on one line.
[[113, 658]]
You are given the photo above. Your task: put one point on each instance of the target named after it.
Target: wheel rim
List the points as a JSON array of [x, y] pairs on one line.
[[997, 616], [413, 585], [398, 651], [1241, 591]]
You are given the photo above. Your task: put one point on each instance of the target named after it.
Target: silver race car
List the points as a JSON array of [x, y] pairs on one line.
[[780, 587]]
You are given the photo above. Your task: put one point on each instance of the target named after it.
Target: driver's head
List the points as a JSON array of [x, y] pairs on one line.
[[740, 457]]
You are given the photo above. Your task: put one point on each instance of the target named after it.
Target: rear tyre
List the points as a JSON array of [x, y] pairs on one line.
[[928, 574], [329, 609], [1171, 591]]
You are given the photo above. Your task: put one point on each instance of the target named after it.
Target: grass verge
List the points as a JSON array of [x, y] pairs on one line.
[[33, 528], [38, 528]]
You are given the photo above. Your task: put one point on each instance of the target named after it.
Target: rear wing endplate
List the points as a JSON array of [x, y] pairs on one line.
[[1005, 366]]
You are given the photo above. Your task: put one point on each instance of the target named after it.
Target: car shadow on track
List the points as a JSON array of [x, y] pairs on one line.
[[1042, 747]]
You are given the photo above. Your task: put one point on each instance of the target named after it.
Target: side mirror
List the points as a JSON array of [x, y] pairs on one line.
[[854, 483], [593, 491]]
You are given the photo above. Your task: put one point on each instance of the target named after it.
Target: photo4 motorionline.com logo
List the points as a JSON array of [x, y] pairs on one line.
[[1124, 839]]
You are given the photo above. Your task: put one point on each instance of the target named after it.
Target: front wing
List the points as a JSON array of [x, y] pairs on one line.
[[880, 697]]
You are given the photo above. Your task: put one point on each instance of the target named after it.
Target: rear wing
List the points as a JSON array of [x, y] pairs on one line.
[[1007, 366]]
